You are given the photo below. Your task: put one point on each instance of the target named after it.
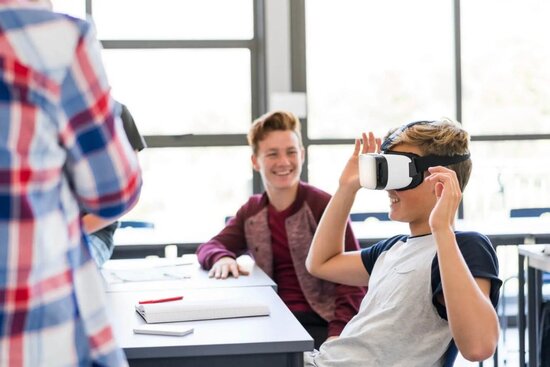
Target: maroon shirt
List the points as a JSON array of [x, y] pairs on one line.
[[284, 274]]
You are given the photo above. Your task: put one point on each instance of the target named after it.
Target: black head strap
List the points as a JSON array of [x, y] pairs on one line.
[[425, 162], [390, 139]]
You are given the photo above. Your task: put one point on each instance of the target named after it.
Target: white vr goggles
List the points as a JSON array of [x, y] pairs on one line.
[[398, 170]]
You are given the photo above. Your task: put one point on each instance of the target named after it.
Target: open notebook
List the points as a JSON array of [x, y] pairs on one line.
[[185, 310]]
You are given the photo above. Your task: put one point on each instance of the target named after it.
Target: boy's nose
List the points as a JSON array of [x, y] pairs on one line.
[[283, 159]]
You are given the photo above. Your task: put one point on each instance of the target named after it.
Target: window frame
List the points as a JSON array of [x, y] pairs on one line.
[[257, 48], [299, 82]]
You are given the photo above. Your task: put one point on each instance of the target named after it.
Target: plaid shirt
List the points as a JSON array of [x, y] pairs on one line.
[[61, 149]]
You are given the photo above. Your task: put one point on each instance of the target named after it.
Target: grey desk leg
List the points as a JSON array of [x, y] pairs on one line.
[[521, 309], [296, 360]]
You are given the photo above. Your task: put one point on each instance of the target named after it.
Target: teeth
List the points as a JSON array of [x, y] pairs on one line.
[[394, 200], [282, 173]]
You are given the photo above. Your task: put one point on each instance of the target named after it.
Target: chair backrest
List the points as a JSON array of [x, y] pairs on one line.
[[135, 224], [361, 217], [528, 212], [450, 355]]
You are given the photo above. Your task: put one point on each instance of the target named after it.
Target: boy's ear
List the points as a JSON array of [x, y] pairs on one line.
[[303, 153], [255, 164]]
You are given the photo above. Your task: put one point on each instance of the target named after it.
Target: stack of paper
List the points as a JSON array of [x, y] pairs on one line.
[[186, 310]]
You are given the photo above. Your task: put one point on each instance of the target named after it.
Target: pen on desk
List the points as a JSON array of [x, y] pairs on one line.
[[161, 300]]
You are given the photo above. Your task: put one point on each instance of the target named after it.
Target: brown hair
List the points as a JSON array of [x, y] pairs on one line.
[[441, 137], [272, 121]]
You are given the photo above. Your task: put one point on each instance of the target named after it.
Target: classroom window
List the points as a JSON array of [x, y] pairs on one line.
[[507, 175], [378, 64], [178, 91], [174, 19], [190, 191], [506, 79]]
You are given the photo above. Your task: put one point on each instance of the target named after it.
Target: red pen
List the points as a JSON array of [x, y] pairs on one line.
[[160, 300]]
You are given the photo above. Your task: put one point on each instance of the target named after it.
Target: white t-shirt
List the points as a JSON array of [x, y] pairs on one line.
[[400, 323]]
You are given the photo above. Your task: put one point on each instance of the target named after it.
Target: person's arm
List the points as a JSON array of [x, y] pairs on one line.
[[219, 254], [104, 170], [327, 258], [472, 318], [93, 223]]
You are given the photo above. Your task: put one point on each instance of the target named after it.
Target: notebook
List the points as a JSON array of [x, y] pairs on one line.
[[186, 310]]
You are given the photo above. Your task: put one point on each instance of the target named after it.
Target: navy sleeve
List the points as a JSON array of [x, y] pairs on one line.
[[481, 258], [369, 255]]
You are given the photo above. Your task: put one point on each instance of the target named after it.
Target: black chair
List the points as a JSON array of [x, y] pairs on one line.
[[450, 355], [361, 217], [136, 224], [529, 212]]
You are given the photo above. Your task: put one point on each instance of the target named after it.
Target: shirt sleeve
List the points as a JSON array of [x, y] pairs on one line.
[[481, 259], [100, 162], [231, 242], [369, 255]]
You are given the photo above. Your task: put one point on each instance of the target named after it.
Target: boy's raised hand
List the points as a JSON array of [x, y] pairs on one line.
[[350, 176], [448, 195]]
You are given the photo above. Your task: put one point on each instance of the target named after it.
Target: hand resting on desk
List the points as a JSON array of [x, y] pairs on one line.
[[226, 266]]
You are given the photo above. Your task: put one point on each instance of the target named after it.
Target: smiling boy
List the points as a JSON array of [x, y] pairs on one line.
[[425, 289], [276, 229]]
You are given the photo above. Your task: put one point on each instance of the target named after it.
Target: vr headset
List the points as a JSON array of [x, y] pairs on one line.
[[398, 170]]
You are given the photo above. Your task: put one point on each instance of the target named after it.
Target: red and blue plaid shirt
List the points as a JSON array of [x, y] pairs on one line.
[[62, 150]]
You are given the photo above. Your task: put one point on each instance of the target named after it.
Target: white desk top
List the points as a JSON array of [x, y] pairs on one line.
[[514, 230], [537, 256], [506, 231], [178, 274], [279, 332]]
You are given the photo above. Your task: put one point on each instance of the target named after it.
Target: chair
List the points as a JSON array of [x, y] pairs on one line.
[[529, 212], [450, 355], [136, 224], [361, 217]]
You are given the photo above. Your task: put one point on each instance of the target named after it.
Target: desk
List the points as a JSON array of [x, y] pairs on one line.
[[537, 262], [192, 276], [267, 341], [511, 231]]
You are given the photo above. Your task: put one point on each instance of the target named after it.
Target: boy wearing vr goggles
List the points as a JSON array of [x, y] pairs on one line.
[[434, 286]]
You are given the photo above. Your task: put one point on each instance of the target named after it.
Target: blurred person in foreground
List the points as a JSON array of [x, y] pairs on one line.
[[62, 148]]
